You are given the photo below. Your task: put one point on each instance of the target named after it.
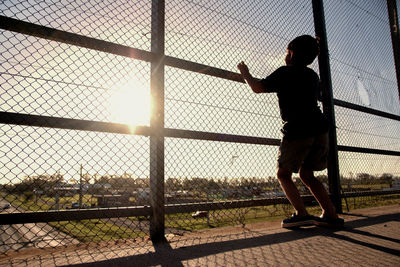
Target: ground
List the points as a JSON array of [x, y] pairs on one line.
[[371, 237]]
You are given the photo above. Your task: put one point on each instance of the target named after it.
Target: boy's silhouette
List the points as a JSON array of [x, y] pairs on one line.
[[304, 145]]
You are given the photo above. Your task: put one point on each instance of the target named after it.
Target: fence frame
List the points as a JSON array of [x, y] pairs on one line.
[[327, 102], [157, 131], [157, 201], [395, 34]]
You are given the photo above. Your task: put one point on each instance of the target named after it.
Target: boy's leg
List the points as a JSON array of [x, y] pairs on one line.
[[291, 191], [319, 192]]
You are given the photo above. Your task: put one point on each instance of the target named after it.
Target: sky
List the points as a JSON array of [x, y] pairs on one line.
[[48, 78]]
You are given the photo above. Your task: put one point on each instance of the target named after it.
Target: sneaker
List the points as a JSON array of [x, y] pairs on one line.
[[297, 221], [327, 222]]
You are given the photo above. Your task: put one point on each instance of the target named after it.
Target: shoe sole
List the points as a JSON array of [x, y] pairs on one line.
[[298, 224], [329, 225]]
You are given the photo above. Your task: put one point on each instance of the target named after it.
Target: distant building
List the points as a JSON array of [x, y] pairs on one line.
[[66, 190], [106, 201]]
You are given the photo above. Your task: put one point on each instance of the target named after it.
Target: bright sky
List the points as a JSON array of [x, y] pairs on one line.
[[48, 78]]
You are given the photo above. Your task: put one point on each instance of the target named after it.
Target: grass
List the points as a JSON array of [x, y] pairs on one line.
[[370, 201], [28, 205], [365, 186], [95, 230], [221, 218], [85, 230], [44, 203], [229, 217]]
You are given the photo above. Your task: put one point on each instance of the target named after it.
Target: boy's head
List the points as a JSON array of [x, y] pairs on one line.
[[302, 50]]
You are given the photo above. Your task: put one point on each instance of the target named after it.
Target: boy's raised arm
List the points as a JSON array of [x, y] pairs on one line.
[[254, 83]]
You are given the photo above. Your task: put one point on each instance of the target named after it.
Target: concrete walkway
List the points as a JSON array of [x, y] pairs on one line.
[[371, 237]]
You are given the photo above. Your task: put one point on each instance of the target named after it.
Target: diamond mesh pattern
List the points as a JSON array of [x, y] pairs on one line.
[[58, 169]]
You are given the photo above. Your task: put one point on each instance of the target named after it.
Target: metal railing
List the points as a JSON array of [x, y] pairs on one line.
[[192, 152]]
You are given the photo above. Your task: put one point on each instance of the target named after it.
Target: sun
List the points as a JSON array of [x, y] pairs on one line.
[[130, 104]]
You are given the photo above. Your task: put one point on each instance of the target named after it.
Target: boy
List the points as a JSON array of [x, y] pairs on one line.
[[304, 145]]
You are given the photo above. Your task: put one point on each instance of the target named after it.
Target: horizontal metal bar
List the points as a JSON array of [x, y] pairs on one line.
[[234, 204], [366, 110], [108, 127], [44, 32], [370, 193], [187, 134], [86, 214], [72, 215], [71, 124], [369, 150], [32, 29], [203, 69]]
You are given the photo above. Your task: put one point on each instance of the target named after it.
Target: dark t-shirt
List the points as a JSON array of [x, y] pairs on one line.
[[298, 90]]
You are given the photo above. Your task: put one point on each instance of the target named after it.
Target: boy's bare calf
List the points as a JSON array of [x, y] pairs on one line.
[[319, 192]]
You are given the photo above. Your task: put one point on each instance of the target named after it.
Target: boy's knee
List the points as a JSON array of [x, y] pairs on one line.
[[307, 176], [284, 174]]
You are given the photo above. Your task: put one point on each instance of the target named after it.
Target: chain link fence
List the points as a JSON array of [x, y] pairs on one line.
[[126, 119], [364, 73]]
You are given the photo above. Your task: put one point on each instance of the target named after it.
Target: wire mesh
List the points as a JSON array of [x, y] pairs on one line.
[[121, 22], [44, 77], [58, 170], [363, 73], [367, 173], [359, 129], [47, 169], [221, 34], [203, 103], [361, 54]]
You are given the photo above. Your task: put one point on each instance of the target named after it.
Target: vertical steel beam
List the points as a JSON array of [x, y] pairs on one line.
[[328, 105], [394, 29], [157, 221]]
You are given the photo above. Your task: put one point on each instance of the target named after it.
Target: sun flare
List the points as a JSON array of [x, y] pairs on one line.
[[130, 104]]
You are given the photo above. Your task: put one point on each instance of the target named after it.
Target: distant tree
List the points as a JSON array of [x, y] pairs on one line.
[[212, 185], [387, 178], [86, 178], [173, 184], [73, 181], [272, 182], [104, 179], [44, 182], [323, 178], [187, 184], [365, 178]]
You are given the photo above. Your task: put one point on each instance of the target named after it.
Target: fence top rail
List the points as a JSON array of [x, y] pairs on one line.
[[376, 112], [32, 29]]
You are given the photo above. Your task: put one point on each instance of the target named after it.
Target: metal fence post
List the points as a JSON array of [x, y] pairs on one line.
[[394, 29], [157, 221], [328, 105]]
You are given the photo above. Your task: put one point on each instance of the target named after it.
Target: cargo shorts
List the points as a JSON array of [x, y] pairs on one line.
[[310, 153]]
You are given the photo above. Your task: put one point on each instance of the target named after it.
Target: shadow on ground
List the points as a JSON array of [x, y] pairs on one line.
[[365, 240]]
